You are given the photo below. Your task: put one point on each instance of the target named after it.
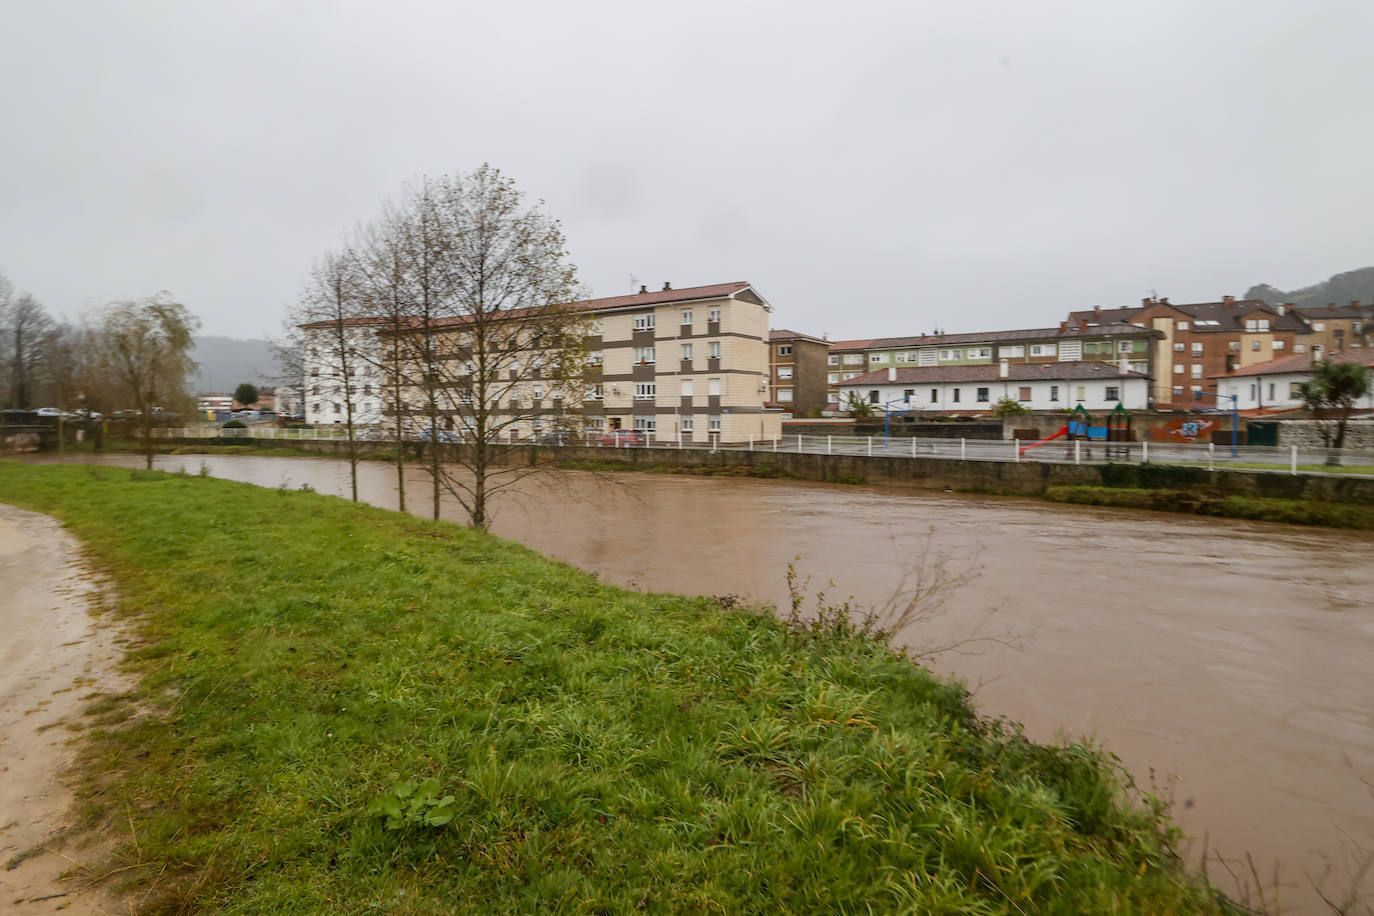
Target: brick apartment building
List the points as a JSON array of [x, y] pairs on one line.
[[1203, 340], [797, 372]]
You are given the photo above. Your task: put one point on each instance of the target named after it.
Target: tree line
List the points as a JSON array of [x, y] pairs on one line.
[[131, 355]]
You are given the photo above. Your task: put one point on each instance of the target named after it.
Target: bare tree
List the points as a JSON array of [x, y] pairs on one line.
[[144, 346], [495, 337], [27, 333], [328, 311]]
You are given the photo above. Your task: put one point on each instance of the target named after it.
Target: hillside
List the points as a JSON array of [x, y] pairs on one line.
[[1340, 289], [226, 361]]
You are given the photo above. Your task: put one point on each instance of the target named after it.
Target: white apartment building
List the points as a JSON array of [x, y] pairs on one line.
[[324, 387], [964, 390]]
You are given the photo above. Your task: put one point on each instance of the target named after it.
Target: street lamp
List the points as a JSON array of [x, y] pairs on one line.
[[1235, 416]]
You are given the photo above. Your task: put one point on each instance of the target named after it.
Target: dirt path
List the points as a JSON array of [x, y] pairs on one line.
[[53, 656]]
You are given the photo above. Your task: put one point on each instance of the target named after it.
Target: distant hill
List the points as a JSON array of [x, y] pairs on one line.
[[1341, 289], [226, 361]]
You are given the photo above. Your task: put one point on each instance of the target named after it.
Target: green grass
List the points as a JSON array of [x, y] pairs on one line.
[[606, 751], [1261, 466], [1292, 511]]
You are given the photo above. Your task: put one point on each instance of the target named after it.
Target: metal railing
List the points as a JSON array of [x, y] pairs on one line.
[[1290, 459]]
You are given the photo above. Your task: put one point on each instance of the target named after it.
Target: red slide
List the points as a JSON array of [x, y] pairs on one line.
[[1063, 430]]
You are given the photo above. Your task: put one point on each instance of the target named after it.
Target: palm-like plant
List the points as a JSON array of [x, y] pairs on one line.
[[1334, 387]]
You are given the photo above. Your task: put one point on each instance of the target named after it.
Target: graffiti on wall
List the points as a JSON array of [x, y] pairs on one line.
[[1184, 429]]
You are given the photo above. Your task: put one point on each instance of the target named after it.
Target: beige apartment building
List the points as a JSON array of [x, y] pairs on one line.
[[689, 365]]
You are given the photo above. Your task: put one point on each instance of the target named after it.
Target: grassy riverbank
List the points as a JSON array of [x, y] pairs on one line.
[[353, 709], [1292, 511]]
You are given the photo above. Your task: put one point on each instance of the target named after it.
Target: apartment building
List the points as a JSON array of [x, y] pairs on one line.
[[690, 364], [1201, 341], [797, 372], [1125, 344], [1336, 328], [972, 390]]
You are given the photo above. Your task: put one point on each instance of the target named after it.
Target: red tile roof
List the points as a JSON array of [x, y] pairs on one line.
[[1301, 362]]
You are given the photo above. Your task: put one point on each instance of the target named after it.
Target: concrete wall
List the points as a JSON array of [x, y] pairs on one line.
[[1359, 434], [1027, 478]]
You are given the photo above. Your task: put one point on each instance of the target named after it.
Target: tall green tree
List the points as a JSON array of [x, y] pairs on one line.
[[1333, 389], [246, 394], [144, 346]]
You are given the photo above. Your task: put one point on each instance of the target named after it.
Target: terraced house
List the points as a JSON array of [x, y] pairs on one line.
[[689, 364], [1124, 344]]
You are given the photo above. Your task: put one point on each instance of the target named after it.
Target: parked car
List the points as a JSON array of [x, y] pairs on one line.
[[12, 416], [621, 438], [444, 435], [47, 412], [554, 437]]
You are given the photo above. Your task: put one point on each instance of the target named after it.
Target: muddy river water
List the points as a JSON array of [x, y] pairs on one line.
[[1231, 663]]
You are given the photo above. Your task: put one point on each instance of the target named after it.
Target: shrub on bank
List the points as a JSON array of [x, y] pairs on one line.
[[1292, 511]]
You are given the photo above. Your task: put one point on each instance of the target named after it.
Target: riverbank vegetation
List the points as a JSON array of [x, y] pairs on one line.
[[346, 709], [1292, 511]]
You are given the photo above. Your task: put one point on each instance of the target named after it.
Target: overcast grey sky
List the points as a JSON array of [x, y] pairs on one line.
[[873, 168]]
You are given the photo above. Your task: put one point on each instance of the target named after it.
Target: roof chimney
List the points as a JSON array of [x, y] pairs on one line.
[[1063, 325], [891, 373], [1083, 324], [1354, 303], [1281, 308], [643, 289], [1004, 369], [1097, 310], [667, 286], [1227, 300]]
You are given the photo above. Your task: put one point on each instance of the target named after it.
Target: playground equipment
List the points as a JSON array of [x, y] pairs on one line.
[[1115, 434], [1119, 433], [1063, 431]]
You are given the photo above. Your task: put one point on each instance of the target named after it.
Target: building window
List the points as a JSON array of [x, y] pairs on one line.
[[850, 375], [1299, 348], [908, 394], [832, 360], [1181, 325], [713, 423], [338, 408], [1255, 345], [1271, 392], [1113, 393], [1024, 394], [853, 359], [1070, 351], [873, 397], [1178, 368], [907, 357], [687, 388], [951, 354], [1178, 390], [982, 395], [1261, 324], [1197, 370], [687, 316], [955, 399], [876, 357], [644, 322], [595, 393], [934, 395], [1197, 348], [594, 358], [1044, 349], [832, 378], [687, 423], [713, 387], [645, 424], [980, 352], [1082, 393], [1295, 389], [644, 356], [784, 372], [785, 350], [1278, 345], [687, 352], [713, 349], [1179, 347], [1010, 352], [785, 395], [644, 391], [1054, 392], [713, 315]]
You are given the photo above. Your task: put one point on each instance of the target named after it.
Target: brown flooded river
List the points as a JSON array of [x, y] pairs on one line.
[[1233, 660]]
